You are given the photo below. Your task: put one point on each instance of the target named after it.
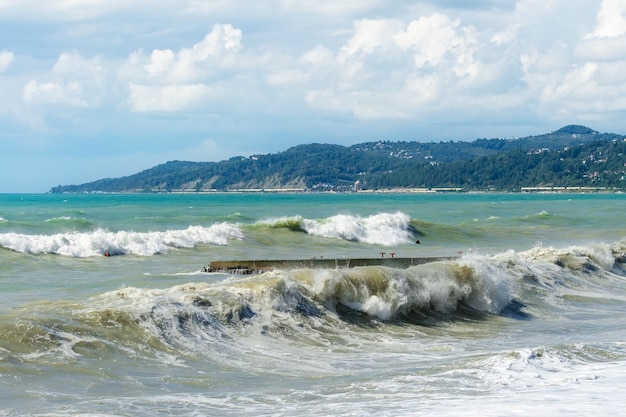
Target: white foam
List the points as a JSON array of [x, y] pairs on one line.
[[438, 287], [378, 229], [284, 220], [60, 218], [96, 242], [495, 287]]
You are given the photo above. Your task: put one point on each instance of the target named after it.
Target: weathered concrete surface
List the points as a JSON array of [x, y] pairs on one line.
[[259, 266]]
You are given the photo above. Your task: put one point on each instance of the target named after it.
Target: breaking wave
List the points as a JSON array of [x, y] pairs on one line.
[[99, 241], [378, 229], [285, 309]]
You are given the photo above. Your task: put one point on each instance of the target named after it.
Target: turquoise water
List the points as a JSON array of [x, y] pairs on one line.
[[528, 317]]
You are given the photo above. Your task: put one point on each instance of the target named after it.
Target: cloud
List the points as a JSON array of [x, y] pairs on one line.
[[608, 40], [73, 81], [435, 37], [610, 20], [6, 57], [506, 36], [318, 57], [188, 64], [475, 4], [161, 61], [384, 69], [72, 10], [371, 35], [418, 92], [329, 7], [173, 81], [574, 82], [287, 78], [72, 64], [260, 9], [206, 150], [70, 93], [389, 69], [517, 68], [146, 98]]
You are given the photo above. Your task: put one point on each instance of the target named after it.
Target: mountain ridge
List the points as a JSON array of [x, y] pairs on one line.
[[574, 156]]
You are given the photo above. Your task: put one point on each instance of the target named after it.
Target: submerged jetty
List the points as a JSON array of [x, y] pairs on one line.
[[260, 266]]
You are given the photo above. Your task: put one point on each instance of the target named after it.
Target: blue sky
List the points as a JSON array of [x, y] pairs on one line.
[[105, 88]]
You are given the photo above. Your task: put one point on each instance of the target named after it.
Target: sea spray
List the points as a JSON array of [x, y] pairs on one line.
[[379, 229], [100, 241], [390, 294], [383, 228]]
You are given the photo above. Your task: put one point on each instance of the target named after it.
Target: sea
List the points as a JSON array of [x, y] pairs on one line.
[[523, 311]]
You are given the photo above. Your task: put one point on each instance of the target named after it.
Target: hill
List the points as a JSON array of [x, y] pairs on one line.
[[573, 156]]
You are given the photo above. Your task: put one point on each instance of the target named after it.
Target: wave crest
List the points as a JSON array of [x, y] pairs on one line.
[[378, 229], [99, 241], [388, 293], [284, 300]]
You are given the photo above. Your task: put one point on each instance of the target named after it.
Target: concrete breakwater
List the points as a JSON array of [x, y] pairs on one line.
[[260, 266]]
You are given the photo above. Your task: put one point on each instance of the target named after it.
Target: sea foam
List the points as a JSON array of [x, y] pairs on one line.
[[377, 229], [99, 241]]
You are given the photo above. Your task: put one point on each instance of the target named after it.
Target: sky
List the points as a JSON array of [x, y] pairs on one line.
[[93, 89]]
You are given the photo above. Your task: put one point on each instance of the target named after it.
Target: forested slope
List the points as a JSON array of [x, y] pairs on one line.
[[571, 156]]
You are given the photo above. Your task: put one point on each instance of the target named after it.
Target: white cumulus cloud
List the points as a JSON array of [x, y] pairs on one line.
[[72, 64], [610, 19], [433, 38], [389, 69], [54, 93], [73, 81], [191, 64], [370, 35]]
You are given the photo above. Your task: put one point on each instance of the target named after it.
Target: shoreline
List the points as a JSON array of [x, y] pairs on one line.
[[397, 190]]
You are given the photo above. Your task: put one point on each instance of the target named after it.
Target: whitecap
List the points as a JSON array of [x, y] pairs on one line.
[[378, 229], [99, 241]]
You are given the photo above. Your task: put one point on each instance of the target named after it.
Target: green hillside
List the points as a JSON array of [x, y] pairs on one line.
[[573, 156]]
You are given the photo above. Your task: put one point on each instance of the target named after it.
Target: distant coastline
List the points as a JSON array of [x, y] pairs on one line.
[[571, 159], [436, 190]]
